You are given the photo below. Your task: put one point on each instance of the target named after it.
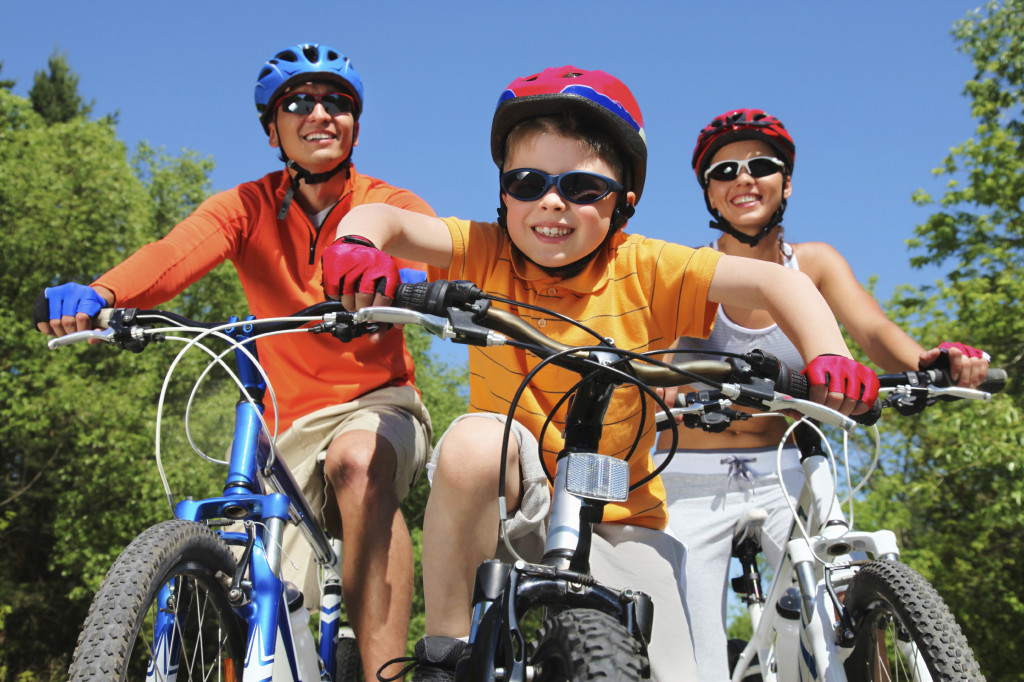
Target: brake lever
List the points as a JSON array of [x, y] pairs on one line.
[[826, 415], [104, 335]]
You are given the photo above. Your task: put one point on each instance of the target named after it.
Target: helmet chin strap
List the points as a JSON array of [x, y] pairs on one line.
[[310, 178], [722, 224]]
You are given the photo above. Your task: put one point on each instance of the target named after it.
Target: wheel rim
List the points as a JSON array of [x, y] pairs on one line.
[[207, 636], [898, 659]]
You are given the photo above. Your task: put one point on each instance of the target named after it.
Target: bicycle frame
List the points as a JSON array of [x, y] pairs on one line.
[[256, 592]]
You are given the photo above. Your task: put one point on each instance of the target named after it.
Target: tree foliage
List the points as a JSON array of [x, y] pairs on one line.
[[54, 94], [952, 483]]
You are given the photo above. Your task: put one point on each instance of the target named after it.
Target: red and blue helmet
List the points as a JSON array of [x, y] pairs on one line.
[[741, 124], [595, 94], [301, 63]]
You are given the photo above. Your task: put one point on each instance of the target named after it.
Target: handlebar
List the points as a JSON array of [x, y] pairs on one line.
[[461, 312], [756, 379]]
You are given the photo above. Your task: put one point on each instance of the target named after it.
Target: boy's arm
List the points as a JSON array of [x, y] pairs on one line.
[[399, 232], [803, 315], [358, 268]]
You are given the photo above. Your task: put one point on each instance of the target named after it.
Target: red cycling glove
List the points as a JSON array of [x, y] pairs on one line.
[[354, 265], [843, 375], [965, 349]]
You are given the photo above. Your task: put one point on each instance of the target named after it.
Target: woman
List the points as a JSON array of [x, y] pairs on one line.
[[744, 164]]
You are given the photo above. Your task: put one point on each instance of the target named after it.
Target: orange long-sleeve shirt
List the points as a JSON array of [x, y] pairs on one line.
[[278, 263]]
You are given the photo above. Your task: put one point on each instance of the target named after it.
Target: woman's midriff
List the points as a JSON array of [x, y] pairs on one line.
[[756, 432]]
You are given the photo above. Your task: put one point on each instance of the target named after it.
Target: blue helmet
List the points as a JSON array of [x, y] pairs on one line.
[[309, 61]]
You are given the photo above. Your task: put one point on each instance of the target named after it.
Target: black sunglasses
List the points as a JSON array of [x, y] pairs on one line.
[[578, 187], [302, 103], [757, 167]]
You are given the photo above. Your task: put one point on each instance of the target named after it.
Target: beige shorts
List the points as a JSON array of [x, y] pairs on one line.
[[397, 414], [621, 556]]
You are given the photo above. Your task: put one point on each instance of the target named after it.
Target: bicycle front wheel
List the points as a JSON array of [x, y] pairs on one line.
[[584, 644], [163, 612], [896, 611]]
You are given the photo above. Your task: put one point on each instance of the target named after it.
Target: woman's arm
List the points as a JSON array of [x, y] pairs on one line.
[[888, 346]]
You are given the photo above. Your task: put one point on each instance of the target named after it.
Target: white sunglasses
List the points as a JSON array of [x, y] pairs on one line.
[[757, 167]]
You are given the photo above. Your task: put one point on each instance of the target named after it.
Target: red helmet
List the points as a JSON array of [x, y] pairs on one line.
[[741, 124], [569, 89]]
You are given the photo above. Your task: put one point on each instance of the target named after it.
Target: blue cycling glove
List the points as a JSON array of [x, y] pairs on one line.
[[71, 298]]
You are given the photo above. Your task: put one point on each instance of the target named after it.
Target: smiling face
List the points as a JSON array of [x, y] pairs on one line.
[[316, 141], [551, 231], [747, 203]]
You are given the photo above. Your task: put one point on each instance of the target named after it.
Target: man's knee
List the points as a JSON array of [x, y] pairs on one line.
[[360, 460]]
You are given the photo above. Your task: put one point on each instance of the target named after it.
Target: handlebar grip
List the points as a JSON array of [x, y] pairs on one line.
[[797, 386], [871, 416], [40, 309], [434, 298], [995, 381]]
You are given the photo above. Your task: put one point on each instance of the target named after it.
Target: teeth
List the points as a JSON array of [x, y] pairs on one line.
[[553, 231], [318, 136], [744, 200]]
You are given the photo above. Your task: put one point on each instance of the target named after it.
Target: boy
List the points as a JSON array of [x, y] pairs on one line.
[[572, 153]]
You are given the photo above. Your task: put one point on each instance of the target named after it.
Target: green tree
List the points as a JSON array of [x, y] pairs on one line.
[[953, 481], [5, 84], [54, 94], [76, 439]]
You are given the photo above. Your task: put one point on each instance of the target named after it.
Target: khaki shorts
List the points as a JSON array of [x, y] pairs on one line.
[[621, 556], [396, 414]]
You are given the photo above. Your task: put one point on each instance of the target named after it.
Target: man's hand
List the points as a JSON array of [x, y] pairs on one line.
[[359, 274], [967, 366], [71, 308], [841, 383]]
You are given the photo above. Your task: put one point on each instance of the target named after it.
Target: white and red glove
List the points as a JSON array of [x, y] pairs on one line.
[[353, 265], [838, 374], [966, 365]]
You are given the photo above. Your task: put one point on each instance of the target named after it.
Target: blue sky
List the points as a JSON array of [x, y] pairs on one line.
[[871, 93]]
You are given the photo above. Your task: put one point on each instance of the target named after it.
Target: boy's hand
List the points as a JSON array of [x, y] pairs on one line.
[[71, 308], [841, 383], [358, 273], [967, 366]]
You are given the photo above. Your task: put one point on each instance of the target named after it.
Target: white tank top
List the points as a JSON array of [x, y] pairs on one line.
[[729, 336]]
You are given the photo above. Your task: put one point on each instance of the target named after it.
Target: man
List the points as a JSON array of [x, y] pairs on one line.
[[356, 401]]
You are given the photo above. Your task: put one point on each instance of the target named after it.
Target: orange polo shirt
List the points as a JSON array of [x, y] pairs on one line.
[[643, 293]]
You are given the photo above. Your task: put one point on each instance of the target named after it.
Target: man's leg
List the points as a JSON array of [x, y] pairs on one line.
[[377, 563]]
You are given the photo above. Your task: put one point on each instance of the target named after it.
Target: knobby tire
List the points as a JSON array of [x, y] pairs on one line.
[[892, 603], [348, 665], [115, 645], [584, 644]]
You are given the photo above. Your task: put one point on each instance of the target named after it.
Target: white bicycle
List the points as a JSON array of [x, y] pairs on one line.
[[841, 606]]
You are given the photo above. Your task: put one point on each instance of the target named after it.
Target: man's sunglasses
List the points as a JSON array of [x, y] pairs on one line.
[[578, 187], [303, 103], [757, 167]]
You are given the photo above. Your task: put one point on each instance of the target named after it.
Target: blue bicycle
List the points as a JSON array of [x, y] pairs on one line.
[[199, 597]]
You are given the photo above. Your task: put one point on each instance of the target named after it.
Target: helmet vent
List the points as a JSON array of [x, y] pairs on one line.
[[287, 56], [572, 74], [332, 55], [311, 52]]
